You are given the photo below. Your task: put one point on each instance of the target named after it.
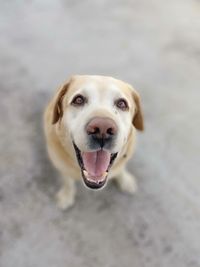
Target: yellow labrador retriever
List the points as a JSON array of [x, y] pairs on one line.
[[90, 127]]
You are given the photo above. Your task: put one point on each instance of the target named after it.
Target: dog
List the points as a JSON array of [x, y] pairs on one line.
[[90, 129]]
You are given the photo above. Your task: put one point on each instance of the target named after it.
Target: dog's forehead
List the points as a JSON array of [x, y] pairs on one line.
[[101, 85]]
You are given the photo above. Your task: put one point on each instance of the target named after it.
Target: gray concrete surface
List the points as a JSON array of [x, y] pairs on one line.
[[155, 45]]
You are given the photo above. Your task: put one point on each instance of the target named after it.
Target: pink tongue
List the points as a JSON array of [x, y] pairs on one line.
[[96, 163]]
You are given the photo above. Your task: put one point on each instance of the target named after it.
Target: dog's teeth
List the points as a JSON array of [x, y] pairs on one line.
[[85, 173], [105, 174]]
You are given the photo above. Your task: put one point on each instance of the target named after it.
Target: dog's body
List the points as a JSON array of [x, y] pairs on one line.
[[90, 129]]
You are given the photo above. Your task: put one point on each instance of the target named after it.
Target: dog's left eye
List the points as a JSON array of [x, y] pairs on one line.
[[122, 104], [79, 100]]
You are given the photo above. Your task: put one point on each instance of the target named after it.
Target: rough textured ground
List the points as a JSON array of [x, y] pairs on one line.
[[155, 45]]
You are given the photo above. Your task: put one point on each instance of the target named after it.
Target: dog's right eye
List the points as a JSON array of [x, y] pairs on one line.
[[79, 100]]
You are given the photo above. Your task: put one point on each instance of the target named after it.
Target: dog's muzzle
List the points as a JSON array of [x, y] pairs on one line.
[[96, 163]]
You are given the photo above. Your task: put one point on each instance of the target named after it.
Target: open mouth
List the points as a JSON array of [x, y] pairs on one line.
[[95, 166]]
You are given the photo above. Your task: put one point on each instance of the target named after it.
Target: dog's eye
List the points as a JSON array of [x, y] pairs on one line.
[[121, 104], [79, 100]]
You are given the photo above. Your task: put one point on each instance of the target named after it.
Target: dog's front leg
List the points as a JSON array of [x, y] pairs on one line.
[[126, 182], [66, 195]]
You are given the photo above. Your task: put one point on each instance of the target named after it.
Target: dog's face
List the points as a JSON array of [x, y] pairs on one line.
[[98, 113]]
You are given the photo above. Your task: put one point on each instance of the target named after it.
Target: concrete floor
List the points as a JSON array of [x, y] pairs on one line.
[[155, 45]]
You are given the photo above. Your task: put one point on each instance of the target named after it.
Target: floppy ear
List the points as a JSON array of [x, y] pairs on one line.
[[138, 120], [58, 109]]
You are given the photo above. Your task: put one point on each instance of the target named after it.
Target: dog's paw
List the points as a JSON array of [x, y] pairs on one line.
[[64, 199], [127, 183]]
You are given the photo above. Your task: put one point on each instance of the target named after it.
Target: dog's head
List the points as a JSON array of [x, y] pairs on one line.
[[98, 113]]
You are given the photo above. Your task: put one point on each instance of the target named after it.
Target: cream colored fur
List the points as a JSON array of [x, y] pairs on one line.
[[63, 127]]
